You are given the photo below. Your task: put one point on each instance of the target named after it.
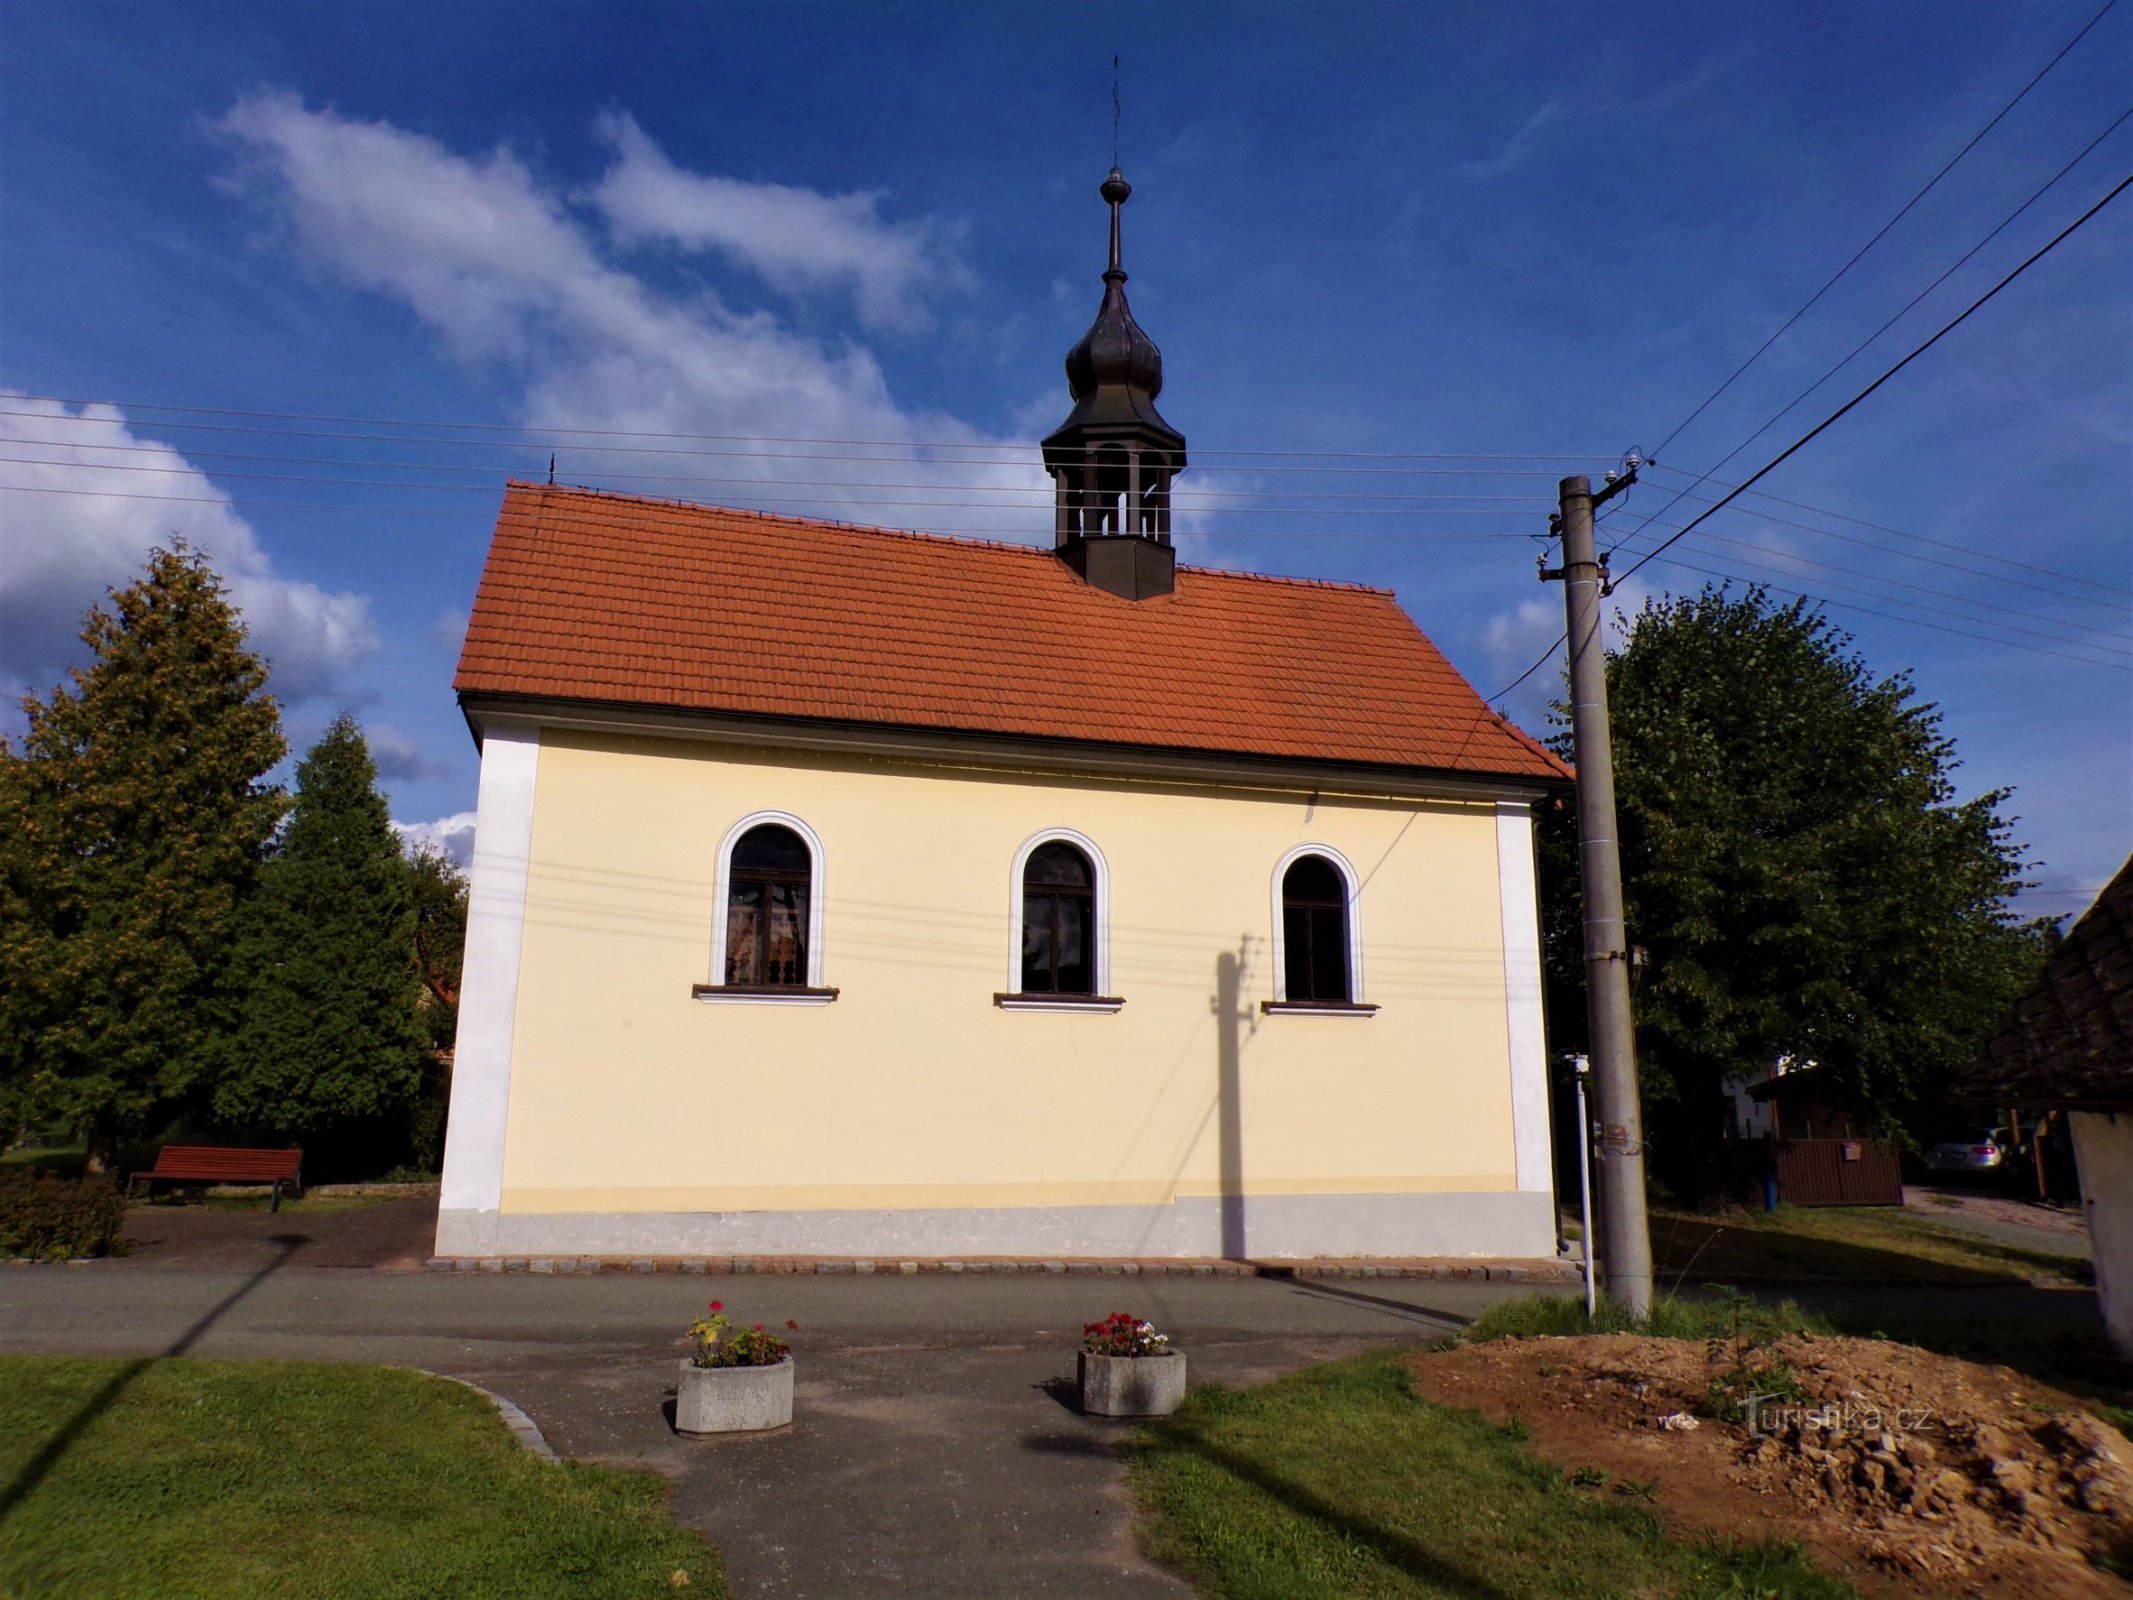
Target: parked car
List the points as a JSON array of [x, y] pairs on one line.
[[1977, 1151]]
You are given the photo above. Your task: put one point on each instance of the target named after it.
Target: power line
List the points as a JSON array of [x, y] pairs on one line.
[[541, 445], [536, 447], [1891, 616], [1946, 328], [1846, 360], [1764, 556], [2114, 606], [1044, 492], [1886, 226], [1919, 538], [1020, 446], [1023, 535]]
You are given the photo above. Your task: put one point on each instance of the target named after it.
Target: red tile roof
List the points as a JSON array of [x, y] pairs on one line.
[[619, 599]]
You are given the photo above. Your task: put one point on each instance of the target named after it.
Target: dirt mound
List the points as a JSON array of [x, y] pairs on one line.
[[1910, 1473]]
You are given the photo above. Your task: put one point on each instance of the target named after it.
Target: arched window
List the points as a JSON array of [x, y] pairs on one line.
[[1058, 921], [767, 904], [1314, 932]]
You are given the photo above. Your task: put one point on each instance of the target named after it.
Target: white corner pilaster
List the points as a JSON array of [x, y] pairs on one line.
[[488, 992], [1518, 894]]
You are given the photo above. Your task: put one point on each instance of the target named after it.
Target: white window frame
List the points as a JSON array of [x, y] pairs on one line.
[[1356, 1004], [817, 899], [1012, 997]]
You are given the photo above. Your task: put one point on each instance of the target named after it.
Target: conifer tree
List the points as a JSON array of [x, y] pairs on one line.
[[327, 1035], [134, 815]]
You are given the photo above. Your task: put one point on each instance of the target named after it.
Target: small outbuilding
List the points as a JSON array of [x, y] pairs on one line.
[[2069, 1045]]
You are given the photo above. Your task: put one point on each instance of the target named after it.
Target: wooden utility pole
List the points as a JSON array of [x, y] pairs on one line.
[[1626, 1238]]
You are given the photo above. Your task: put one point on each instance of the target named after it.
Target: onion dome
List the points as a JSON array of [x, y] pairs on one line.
[[1115, 350]]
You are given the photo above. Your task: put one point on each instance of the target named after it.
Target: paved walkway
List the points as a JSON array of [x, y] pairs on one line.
[[934, 1451], [2002, 1218]]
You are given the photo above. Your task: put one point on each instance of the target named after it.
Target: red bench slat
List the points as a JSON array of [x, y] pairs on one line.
[[215, 1163]]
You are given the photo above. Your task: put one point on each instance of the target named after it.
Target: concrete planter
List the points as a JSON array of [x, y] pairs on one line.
[[733, 1399], [1132, 1386]]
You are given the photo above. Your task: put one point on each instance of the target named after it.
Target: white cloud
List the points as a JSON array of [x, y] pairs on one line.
[[795, 239], [1540, 128], [454, 835], [498, 265], [1516, 638], [63, 550], [449, 631], [398, 755]]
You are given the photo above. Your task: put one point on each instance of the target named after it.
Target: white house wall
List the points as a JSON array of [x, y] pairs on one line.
[[2103, 1149], [912, 1115]]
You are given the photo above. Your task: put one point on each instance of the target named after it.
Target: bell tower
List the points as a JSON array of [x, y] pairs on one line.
[[1113, 459]]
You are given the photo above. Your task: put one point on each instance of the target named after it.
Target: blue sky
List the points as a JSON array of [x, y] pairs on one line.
[[1423, 235]]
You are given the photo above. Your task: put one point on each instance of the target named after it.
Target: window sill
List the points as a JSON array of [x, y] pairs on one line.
[[1057, 1002], [1317, 1008], [745, 994]]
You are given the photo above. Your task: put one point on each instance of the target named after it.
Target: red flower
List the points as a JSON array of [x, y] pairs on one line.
[[717, 1306], [792, 1324], [757, 1326]]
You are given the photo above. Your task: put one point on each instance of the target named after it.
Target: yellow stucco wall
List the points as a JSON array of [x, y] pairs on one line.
[[913, 1089]]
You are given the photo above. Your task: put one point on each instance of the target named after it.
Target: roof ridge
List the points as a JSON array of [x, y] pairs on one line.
[[967, 541]]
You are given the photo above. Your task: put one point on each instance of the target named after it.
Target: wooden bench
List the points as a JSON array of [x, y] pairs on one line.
[[202, 1163]]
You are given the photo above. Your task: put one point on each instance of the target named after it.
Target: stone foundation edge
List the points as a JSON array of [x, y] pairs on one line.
[[1507, 1225], [1536, 1271]]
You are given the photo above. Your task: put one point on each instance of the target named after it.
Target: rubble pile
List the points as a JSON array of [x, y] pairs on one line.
[[1907, 1472], [1947, 1495]]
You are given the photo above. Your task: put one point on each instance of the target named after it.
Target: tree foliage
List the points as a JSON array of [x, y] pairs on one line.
[[327, 1034], [439, 893], [1796, 866], [134, 815]]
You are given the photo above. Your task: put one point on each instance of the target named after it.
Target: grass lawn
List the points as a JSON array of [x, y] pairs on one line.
[[1341, 1481], [227, 1480], [1864, 1244]]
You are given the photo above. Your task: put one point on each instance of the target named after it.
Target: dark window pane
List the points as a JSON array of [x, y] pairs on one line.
[[1329, 954], [1313, 880], [770, 848], [1037, 944], [1074, 973], [1314, 931], [1059, 864], [1296, 952], [766, 909]]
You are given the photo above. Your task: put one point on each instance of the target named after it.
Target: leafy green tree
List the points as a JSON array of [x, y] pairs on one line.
[[327, 1036], [439, 892], [134, 814], [1796, 867]]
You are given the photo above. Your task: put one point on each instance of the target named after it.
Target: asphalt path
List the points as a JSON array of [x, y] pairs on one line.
[[935, 1449]]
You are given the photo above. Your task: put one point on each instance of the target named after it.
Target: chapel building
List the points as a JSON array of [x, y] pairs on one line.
[[847, 892]]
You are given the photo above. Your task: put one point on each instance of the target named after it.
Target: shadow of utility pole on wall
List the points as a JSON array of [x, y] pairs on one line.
[[1233, 1025], [39, 1466]]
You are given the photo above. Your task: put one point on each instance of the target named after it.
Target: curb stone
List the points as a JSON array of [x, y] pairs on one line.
[[523, 1428]]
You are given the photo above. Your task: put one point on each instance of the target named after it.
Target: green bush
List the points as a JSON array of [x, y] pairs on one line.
[[52, 1220]]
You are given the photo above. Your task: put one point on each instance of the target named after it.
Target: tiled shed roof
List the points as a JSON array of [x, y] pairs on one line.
[[2070, 1039], [618, 599]]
